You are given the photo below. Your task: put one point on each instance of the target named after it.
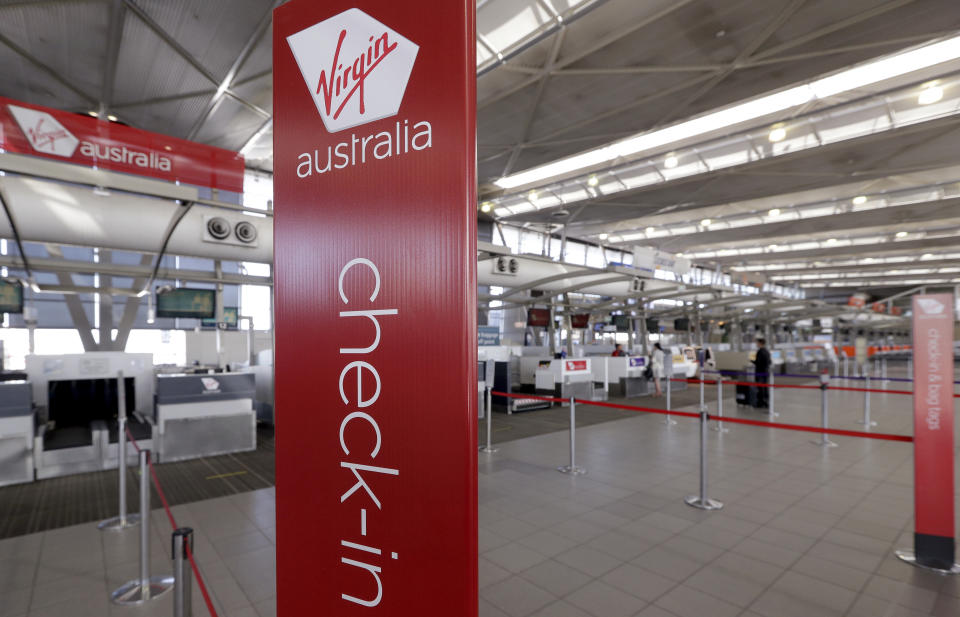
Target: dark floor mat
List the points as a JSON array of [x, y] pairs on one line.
[[89, 497]]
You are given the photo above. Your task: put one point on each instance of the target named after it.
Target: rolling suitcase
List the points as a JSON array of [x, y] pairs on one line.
[[747, 396]]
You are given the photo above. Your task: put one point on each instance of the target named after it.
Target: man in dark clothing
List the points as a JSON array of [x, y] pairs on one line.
[[763, 366], [618, 351]]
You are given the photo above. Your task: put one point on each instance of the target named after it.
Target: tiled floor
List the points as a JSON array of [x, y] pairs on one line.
[[806, 531]]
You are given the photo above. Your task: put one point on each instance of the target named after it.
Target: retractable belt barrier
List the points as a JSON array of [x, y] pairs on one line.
[[701, 500], [187, 546], [813, 376], [690, 414], [794, 386]]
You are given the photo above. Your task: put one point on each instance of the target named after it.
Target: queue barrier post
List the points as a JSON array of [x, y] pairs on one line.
[[719, 427], [667, 419], [703, 404], [846, 366], [910, 367], [606, 374], [866, 421], [182, 577], [771, 396], [572, 468], [488, 411], [122, 520], [146, 587], [824, 441], [701, 501]]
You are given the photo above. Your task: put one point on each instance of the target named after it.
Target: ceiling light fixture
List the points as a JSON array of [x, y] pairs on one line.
[[832, 241], [777, 134], [930, 94], [774, 212], [705, 223], [603, 236], [112, 118], [859, 200], [485, 206], [901, 234], [93, 113], [649, 230], [593, 181], [670, 162], [853, 78], [533, 197]]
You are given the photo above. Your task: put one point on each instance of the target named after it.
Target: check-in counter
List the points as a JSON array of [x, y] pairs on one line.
[[684, 362], [205, 415], [16, 432], [565, 378], [623, 375], [793, 364]]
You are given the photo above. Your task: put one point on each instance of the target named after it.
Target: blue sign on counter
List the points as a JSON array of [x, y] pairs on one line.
[[638, 361], [488, 336]]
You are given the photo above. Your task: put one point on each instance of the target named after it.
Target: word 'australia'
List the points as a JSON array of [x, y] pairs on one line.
[[359, 150]]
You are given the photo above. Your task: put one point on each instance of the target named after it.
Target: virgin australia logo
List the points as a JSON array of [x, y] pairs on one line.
[[930, 306], [355, 67], [44, 132]]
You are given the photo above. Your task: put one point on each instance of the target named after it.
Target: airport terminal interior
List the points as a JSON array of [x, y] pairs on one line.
[[707, 231]]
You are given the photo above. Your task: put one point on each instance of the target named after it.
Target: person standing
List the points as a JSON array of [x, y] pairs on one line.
[[763, 366], [656, 363], [618, 351]]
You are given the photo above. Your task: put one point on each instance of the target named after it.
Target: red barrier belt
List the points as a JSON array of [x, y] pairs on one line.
[[873, 390], [666, 412], [533, 396], [173, 523], [789, 427], [800, 387], [817, 429]]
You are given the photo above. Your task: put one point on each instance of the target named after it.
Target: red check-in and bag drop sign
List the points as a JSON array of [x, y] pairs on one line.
[[933, 430], [375, 204]]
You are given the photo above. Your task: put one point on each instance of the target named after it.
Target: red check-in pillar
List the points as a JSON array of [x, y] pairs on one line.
[[375, 254], [933, 404]]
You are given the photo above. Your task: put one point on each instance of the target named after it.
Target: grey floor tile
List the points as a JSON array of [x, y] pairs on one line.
[[686, 601], [829, 597], [514, 557], [491, 573], [589, 560], [831, 572], [776, 555], [547, 543], [561, 608], [557, 578], [902, 594], [602, 600], [726, 586], [639, 582], [517, 597], [667, 563]]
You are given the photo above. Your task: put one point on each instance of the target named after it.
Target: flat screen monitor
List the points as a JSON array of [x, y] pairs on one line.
[[681, 325], [11, 296], [622, 323], [230, 317], [653, 325], [187, 302], [538, 318], [580, 321], [78, 402]]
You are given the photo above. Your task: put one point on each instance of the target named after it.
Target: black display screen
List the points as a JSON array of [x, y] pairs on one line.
[[77, 402], [187, 302], [11, 296]]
